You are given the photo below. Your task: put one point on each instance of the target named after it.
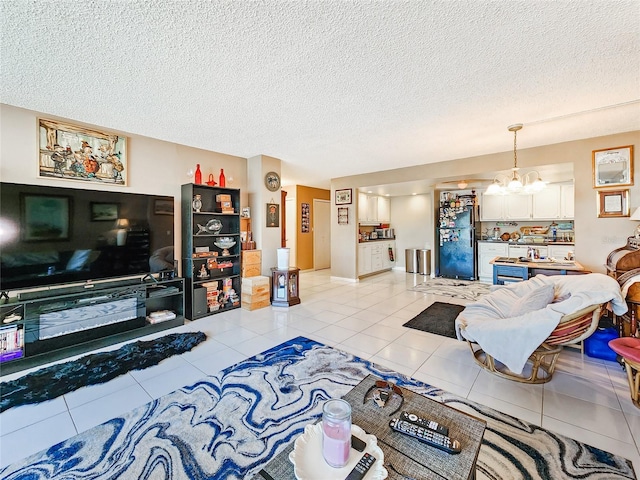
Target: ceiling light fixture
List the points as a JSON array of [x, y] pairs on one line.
[[462, 184], [515, 183]]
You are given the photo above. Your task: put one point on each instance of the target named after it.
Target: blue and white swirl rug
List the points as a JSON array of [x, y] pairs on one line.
[[228, 425]]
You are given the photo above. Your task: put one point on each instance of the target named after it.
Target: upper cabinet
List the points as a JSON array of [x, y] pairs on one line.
[[373, 209], [553, 203], [546, 204], [567, 201], [384, 210]]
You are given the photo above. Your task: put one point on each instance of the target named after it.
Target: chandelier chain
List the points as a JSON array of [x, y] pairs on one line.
[[515, 150]]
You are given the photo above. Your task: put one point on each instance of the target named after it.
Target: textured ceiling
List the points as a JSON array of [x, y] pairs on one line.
[[332, 88]]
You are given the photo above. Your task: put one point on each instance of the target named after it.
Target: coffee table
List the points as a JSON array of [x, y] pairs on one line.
[[408, 456]]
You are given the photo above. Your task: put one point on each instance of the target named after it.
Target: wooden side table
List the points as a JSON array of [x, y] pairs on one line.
[[285, 289]]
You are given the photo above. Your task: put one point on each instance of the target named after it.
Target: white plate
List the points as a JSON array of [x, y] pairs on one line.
[[308, 463]]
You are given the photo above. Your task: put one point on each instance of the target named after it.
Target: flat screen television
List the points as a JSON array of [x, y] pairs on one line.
[[56, 235]]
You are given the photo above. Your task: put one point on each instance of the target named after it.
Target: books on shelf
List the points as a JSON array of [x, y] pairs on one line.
[[11, 342]]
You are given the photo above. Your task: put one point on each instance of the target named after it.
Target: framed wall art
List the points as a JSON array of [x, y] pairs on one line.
[[75, 152], [45, 217], [613, 203], [305, 220], [273, 215], [343, 216], [162, 206], [104, 212], [612, 167], [343, 197]]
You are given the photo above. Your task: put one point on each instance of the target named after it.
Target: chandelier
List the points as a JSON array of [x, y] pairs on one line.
[[515, 183]]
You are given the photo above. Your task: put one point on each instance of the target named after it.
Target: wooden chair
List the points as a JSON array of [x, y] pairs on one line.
[[572, 329], [629, 349]]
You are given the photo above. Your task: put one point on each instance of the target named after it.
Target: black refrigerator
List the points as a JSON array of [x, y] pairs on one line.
[[456, 234]]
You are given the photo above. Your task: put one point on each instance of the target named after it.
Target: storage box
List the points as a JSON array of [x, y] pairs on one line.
[[257, 298], [251, 263], [251, 270], [223, 197], [256, 305], [255, 286]]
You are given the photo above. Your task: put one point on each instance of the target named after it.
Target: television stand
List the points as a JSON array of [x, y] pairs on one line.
[[56, 324]]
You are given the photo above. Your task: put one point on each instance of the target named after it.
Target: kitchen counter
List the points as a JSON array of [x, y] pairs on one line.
[[376, 240], [518, 242], [507, 270]]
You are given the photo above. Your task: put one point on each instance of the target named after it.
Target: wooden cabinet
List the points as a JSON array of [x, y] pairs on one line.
[[285, 289], [211, 249], [486, 252]]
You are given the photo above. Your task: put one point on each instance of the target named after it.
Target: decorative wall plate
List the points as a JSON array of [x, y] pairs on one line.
[[272, 181]]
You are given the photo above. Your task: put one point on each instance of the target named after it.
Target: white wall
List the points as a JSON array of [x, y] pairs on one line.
[[412, 219], [154, 166]]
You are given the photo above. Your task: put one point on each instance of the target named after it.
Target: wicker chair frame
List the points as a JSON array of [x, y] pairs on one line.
[[572, 329]]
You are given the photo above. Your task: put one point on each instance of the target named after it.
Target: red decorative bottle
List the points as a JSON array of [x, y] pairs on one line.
[[222, 181], [198, 175]]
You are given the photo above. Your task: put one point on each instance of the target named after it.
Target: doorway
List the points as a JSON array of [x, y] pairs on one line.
[[321, 234]]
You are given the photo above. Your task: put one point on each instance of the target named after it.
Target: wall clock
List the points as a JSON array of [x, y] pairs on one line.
[[272, 181]]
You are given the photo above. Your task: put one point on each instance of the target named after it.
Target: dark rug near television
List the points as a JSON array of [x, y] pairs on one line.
[[439, 318], [51, 382]]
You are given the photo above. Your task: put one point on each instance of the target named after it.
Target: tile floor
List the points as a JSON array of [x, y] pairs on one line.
[[588, 399]]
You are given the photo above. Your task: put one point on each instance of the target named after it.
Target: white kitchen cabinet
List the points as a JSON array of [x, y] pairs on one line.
[[367, 208], [364, 258], [560, 252], [486, 252], [363, 208], [546, 204], [374, 256], [517, 251], [567, 201], [553, 203], [384, 210], [491, 207], [373, 209], [517, 207]]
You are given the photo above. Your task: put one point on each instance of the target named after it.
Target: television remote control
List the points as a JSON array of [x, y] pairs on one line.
[[425, 435], [362, 467], [424, 422]]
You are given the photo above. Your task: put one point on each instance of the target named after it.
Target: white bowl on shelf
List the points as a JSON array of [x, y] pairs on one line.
[[225, 242]]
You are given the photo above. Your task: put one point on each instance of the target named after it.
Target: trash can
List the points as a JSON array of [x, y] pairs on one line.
[[424, 261], [411, 260]]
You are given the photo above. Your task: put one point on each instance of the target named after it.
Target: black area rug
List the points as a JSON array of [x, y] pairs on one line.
[[51, 382], [439, 318]]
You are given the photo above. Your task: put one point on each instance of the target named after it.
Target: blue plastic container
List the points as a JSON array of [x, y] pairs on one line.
[[597, 345]]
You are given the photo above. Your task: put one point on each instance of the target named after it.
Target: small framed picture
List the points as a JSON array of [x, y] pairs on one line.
[[45, 217], [105, 212], [273, 215], [343, 216], [163, 207], [612, 167], [343, 197], [613, 203]]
